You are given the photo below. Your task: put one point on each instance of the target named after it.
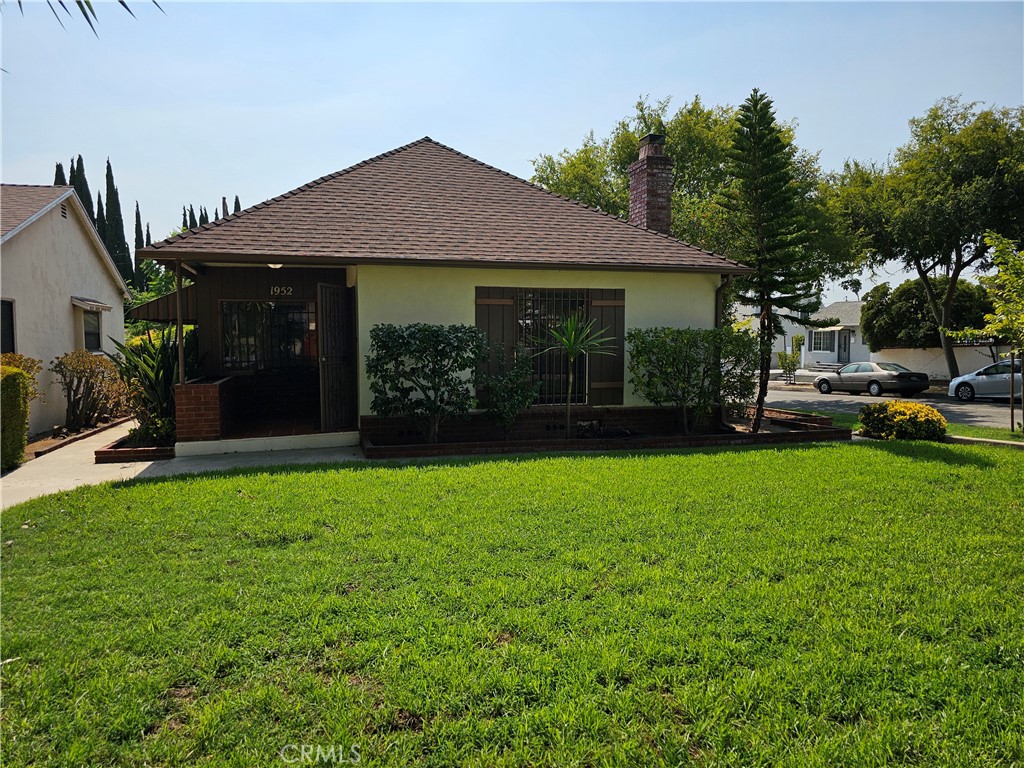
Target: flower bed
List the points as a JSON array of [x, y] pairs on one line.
[[541, 430], [121, 450]]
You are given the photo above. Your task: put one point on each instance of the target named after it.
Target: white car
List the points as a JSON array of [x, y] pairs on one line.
[[990, 381]]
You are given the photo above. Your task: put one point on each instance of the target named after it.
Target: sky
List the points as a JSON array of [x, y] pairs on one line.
[[254, 99]]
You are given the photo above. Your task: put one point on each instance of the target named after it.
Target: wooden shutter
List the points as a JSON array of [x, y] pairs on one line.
[[607, 372], [496, 316]]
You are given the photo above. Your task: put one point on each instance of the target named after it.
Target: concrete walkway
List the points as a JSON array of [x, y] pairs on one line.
[[74, 465]]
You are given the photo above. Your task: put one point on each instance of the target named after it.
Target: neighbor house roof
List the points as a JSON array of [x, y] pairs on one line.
[[427, 203], [847, 312], [23, 204], [20, 204]]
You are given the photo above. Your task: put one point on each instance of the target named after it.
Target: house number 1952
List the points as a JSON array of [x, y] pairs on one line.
[[281, 290]]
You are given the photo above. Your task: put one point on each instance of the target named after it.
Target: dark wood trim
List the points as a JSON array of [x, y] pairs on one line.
[[496, 302], [607, 384], [608, 303]]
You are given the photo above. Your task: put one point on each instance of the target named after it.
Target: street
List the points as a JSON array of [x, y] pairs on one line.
[[983, 413]]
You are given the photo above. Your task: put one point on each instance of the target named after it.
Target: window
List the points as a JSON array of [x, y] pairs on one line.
[[7, 326], [848, 369], [823, 341], [524, 316], [268, 335], [91, 323]]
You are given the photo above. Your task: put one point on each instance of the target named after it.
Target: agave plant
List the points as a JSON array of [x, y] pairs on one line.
[[150, 366], [575, 336]]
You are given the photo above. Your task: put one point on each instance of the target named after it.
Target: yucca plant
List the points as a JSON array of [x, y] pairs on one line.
[[575, 336]]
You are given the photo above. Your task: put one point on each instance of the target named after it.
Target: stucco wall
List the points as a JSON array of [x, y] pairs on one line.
[[447, 295], [933, 362], [41, 268]]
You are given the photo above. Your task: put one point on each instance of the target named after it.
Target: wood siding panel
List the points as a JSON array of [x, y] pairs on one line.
[[607, 372]]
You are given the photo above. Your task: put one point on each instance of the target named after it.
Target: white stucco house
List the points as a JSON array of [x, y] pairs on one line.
[[59, 287], [839, 343]]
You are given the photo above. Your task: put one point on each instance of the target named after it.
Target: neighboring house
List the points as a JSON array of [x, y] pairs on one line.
[[60, 288], [783, 342], [285, 293], [839, 343]]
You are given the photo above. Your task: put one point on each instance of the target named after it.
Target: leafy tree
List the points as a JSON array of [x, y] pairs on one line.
[[192, 223], [81, 185], [901, 318], [576, 337], [238, 205], [511, 388], [769, 231], [696, 370], [960, 175], [423, 372], [59, 179]]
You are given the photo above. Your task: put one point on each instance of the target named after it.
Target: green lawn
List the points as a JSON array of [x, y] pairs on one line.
[[842, 604]]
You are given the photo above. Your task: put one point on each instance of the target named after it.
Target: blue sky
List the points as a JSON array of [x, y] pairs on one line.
[[255, 99]]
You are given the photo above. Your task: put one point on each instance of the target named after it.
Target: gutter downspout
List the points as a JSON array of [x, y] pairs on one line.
[[180, 330]]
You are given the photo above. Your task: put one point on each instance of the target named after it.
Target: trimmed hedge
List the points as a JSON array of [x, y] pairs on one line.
[[900, 420], [15, 386]]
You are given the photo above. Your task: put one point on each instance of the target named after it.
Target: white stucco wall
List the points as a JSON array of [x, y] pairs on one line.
[[447, 295], [783, 343], [41, 268], [933, 362]]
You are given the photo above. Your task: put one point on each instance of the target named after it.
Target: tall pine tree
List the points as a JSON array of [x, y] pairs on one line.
[[139, 242], [149, 240], [238, 205], [203, 218], [770, 233], [117, 244], [224, 207], [59, 179], [81, 185], [192, 223], [184, 218], [101, 222]]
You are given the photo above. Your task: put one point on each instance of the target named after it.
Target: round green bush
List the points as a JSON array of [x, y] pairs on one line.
[[900, 420]]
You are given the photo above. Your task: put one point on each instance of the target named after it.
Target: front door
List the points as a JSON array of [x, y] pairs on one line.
[[335, 340], [844, 347]]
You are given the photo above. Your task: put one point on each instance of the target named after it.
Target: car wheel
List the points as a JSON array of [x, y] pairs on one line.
[[964, 392], [824, 387], [875, 389]]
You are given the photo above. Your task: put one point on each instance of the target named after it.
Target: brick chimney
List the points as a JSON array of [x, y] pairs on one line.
[[650, 186]]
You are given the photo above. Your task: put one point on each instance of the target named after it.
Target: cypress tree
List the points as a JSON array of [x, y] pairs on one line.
[[238, 205], [224, 207], [149, 240], [71, 172], [59, 179], [139, 242], [770, 232], [203, 218], [184, 218], [192, 223], [117, 243], [81, 185], [101, 223]]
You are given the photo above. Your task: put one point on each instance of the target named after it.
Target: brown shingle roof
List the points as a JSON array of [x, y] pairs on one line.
[[20, 202], [425, 202]]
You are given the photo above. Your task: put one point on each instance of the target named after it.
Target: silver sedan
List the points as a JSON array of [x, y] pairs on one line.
[[874, 378], [990, 381]]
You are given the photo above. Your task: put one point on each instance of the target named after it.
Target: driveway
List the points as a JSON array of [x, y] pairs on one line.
[[982, 413]]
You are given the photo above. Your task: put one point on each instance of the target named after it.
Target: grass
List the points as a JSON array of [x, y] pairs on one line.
[[841, 604]]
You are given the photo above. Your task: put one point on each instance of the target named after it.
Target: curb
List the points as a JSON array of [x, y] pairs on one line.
[[80, 436], [984, 441]]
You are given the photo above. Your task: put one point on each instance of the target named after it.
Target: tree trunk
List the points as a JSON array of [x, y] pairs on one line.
[[765, 344], [568, 403], [943, 312]]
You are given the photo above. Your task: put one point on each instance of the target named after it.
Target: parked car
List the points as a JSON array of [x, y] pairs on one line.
[[874, 378], [990, 381]]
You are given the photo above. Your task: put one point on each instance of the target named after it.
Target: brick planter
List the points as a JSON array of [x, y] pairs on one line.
[[397, 439], [198, 406], [115, 453]]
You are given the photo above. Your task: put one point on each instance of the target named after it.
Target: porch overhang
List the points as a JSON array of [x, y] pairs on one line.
[[164, 309]]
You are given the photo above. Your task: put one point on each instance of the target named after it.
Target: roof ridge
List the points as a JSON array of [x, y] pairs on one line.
[[583, 205], [37, 186], [308, 185]]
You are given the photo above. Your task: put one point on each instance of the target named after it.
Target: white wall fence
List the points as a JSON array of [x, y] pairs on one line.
[[933, 362]]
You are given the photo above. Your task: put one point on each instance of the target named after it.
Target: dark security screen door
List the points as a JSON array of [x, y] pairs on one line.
[[844, 347], [333, 329]]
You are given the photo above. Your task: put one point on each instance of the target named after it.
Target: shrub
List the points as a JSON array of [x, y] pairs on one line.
[[92, 386], [424, 371], [29, 365], [15, 386], [694, 369], [148, 366], [900, 420], [511, 389], [789, 362]]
